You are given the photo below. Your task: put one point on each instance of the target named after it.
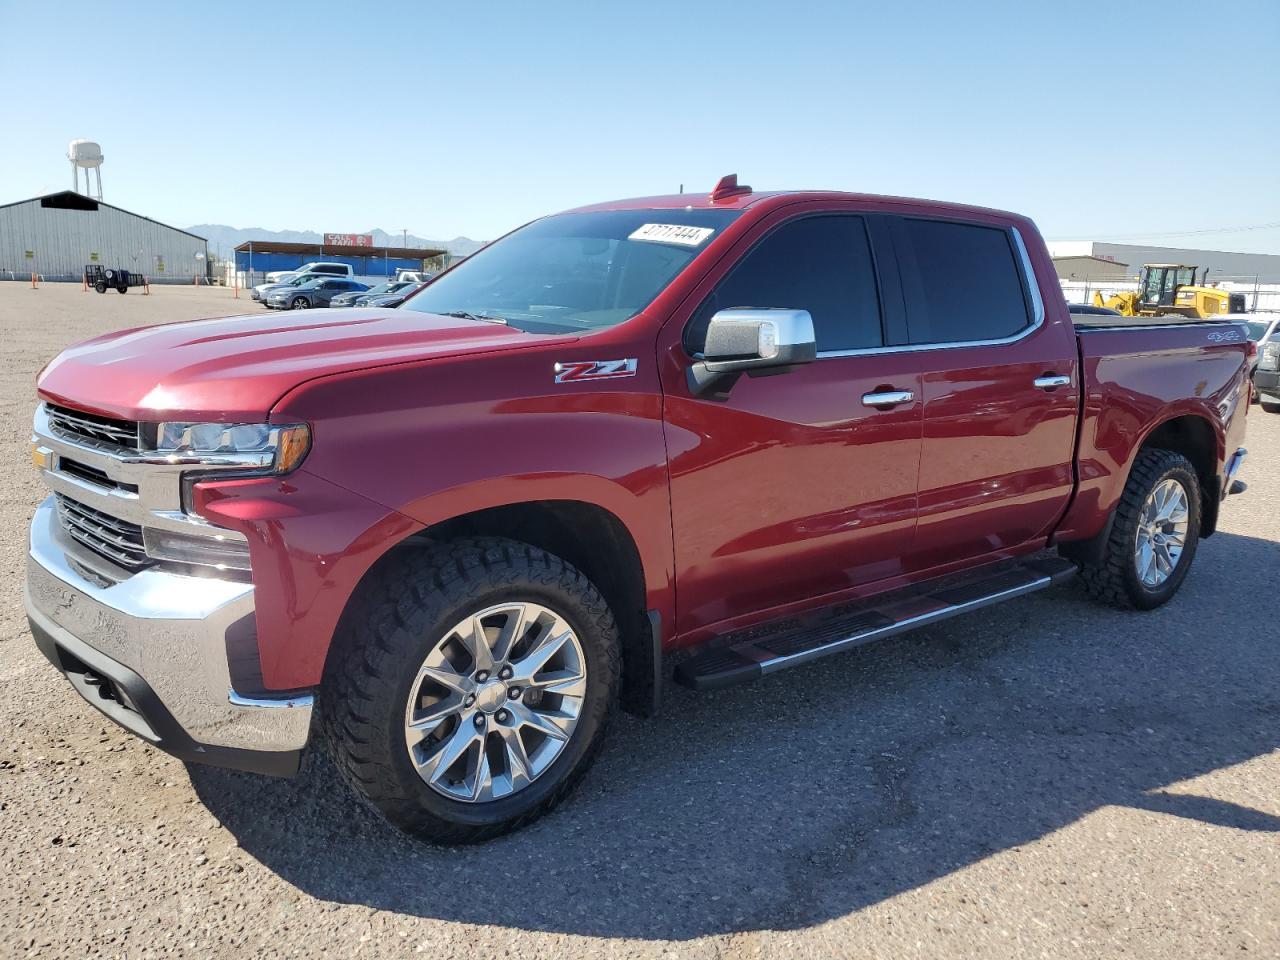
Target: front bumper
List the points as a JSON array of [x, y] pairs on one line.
[[155, 652]]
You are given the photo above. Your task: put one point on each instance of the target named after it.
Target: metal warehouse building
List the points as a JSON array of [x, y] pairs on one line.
[[1223, 265], [56, 235]]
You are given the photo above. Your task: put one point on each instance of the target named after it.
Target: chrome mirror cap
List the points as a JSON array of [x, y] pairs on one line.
[[747, 340]]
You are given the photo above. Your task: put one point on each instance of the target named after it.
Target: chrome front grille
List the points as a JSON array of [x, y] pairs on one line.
[[117, 540], [78, 425]]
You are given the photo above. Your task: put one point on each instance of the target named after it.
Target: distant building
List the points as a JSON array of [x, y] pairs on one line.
[[1090, 268], [1223, 265], [58, 234]]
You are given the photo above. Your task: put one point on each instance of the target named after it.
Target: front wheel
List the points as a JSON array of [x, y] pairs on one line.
[[469, 687], [1153, 537], [122, 288], [1270, 405], [299, 303]]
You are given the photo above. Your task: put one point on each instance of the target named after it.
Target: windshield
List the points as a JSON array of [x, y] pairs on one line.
[[575, 271], [1258, 329], [387, 287]]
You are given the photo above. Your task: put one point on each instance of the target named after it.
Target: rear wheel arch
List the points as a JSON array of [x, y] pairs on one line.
[[1193, 436]]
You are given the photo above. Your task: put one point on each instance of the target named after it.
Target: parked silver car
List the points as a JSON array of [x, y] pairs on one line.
[[390, 299], [315, 293], [263, 290], [349, 299]]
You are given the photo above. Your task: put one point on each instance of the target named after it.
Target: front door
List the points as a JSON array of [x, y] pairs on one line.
[[792, 487]]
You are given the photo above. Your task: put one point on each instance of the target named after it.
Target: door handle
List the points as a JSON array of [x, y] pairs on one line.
[[1051, 382], [887, 398]]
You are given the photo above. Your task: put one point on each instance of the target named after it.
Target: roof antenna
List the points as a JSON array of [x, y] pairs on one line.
[[728, 187]]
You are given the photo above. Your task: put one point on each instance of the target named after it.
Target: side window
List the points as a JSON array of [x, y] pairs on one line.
[[330, 269], [820, 264], [962, 282]]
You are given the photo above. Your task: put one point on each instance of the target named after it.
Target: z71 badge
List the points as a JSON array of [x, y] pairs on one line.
[[574, 370]]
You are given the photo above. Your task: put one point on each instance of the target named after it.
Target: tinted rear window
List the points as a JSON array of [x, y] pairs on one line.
[[962, 282]]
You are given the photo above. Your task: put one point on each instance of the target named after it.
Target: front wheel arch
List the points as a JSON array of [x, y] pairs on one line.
[[591, 538]]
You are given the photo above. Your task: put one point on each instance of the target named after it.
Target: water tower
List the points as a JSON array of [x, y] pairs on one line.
[[85, 155]]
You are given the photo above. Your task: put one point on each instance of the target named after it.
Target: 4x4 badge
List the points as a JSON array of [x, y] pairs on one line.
[[595, 370]]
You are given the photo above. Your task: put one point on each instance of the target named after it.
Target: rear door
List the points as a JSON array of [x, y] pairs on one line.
[[1000, 386], [793, 487]]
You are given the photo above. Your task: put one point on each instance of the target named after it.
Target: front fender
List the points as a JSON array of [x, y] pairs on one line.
[[310, 543], [396, 450]]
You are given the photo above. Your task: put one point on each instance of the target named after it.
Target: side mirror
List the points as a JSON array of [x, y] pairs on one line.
[[754, 342]]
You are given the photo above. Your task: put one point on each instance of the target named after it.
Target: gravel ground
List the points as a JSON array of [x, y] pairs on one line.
[[1045, 779]]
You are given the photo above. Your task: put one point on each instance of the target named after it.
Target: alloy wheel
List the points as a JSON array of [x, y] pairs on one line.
[[1162, 532], [495, 702]]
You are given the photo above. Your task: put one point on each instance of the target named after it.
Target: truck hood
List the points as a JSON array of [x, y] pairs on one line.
[[237, 368]]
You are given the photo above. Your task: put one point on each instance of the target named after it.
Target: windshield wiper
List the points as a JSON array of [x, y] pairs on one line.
[[464, 315]]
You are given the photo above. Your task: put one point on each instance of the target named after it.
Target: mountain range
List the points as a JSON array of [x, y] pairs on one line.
[[223, 239]]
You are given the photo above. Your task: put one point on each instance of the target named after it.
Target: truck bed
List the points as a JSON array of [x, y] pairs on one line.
[[1091, 321]]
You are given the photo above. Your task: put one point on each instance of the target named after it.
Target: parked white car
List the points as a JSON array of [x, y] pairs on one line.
[[344, 270], [413, 276]]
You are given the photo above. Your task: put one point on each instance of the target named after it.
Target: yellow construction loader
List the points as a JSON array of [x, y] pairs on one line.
[[1171, 288]]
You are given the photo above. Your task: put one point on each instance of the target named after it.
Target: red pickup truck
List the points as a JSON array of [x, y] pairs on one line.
[[706, 436]]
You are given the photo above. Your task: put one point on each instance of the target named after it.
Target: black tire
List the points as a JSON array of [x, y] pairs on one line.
[[122, 288], [100, 287], [1115, 580], [1269, 405], [385, 636], [299, 303]]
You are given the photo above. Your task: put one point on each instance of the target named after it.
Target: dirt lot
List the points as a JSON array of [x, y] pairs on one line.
[[1046, 779]]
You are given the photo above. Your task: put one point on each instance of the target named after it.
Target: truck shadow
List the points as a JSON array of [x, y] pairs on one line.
[[832, 787]]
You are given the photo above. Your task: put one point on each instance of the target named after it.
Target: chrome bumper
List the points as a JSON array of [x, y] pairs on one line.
[[165, 634]]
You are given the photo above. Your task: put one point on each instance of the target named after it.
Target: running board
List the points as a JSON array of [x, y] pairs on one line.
[[758, 651]]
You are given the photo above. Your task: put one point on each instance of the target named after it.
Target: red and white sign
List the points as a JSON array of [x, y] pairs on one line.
[[348, 239]]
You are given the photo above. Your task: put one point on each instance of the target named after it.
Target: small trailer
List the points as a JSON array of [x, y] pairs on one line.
[[100, 278]]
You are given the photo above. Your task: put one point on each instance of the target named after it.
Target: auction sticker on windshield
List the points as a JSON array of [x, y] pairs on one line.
[[671, 233]]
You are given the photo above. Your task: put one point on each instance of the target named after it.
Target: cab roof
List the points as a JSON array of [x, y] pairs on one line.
[[728, 195]]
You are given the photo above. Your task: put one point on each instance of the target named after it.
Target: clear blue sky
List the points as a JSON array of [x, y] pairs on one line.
[[1100, 120]]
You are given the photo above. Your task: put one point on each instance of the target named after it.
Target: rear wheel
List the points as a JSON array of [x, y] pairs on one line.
[[100, 286], [1153, 537], [469, 688]]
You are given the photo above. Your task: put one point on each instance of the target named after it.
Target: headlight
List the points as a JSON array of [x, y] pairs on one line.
[[1270, 356], [258, 447]]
